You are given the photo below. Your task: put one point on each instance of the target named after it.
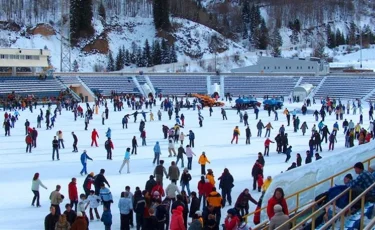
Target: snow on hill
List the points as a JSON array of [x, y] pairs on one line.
[[192, 41]]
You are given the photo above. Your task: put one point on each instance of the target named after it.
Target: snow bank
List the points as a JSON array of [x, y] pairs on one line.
[[302, 177]]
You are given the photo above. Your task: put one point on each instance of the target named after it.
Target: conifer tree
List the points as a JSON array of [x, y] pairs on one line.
[[331, 39], [75, 66], [164, 52], [119, 60], [156, 53], [173, 54], [147, 54], [111, 62], [246, 12], [101, 11]]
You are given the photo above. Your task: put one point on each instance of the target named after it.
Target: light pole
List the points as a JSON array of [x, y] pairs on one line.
[[360, 44]]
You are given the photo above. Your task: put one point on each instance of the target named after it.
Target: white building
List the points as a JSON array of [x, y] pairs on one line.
[[284, 65], [17, 57]]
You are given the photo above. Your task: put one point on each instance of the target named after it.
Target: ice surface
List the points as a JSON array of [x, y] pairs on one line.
[[17, 167]]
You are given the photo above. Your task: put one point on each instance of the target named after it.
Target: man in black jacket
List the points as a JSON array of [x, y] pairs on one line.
[[226, 185], [75, 141], [100, 179], [70, 214], [51, 219], [55, 148], [150, 184]]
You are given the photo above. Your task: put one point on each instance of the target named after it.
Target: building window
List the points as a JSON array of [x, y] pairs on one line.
[[3, 56], [264, 67], [28, 57], [312, 67], [35, 57], [286, 67], [22, 57], [308, 67], [279, 67], [297, 67]]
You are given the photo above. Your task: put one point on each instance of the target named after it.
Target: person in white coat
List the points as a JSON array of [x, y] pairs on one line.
[[171, 148], [172, 190], [35, 188], [126, 161], [93, 201], [182, 138], [103, 118]]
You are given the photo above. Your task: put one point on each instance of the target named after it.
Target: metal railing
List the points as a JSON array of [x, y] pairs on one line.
[[370, 225], [341, 215], [297, 195]]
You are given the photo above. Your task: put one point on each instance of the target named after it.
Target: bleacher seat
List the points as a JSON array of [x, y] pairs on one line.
[[120, 84], [179, 85]]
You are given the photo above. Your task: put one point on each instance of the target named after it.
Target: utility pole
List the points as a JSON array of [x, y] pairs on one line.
[[65, 53]]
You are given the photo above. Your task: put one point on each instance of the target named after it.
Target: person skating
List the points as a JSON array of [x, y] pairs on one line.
[[226, 185], [143, 137], [60, 136], [248, 135], [159, 172], [73, 193], [332, 140], [93, 202], [126, 161], [75, 142], [84, 158], [267, 143], [55, 148], [245, 119], [134, 145], [106, 196], [260, 126], [191, 136], [125, 206], [125, 121], [288, 152], [34, 136], [100, 179], [56, 199], [215, 200], [203, 160], [157, 153], [180, 155], [261, 159], [103, 118], [171, 148], [94, 135], [304, 127], [298, 160], [36, 182], [108, 134], [29, 141], [173, 172], [185, 181], [27, 125], [224, 114], [189, 155], [108, 145], [256, 170], [89, 180], [268, 129], [236, 133], [325, 132]]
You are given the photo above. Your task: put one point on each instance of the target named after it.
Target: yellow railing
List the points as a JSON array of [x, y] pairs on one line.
[[297, 195], [313, 215], [345, 210], [370, 226]]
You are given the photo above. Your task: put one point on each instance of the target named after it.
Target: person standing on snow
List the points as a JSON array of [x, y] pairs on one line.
[[55, 148], [36, 182], [224, 114], [267, 143], [191, 136], [268, 129], [126, 161], [73, 194], [248, 135], [180, 155], [75, 141], [260, 126], [28, 141], [108, 145], [94, 135], [84, 158], [189, 155], [157, 153], [203, 160], [236, 133]]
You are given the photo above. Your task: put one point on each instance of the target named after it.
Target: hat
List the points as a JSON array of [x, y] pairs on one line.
[[186, 170], [161, 162], [198, 213], [359, 165], [92, 173], [349, 176], [277, 208], [79, 214], [151, 177]]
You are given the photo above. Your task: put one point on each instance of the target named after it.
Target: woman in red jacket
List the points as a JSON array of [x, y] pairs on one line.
[[177, 221], [277, 198], [231, 221], [73, 193]]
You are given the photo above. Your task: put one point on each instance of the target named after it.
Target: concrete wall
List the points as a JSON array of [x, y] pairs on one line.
[[81, 90]]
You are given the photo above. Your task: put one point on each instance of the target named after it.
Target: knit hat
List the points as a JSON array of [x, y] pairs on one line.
[[359, 165], [277, 208], [198, 213], [79, 214]]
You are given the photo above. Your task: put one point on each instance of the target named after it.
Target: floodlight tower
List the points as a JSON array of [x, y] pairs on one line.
[[65, 54]]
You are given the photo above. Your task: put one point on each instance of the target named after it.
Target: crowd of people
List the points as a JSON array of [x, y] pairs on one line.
[[169, 205]]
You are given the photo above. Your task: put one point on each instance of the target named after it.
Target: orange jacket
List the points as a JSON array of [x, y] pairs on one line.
[[203, 160], [214, 199]]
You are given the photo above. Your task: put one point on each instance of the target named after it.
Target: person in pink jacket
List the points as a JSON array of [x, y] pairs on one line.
[[177, 222]]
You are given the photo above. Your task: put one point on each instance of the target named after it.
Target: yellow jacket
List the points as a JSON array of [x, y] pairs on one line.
[[286, 112], [211, 179], [266, 184], [214, 199], [357, 128], [203, 160]]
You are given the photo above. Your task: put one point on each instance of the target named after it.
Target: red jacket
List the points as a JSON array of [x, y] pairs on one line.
[[232, 224], [73, 193], [272, 202], [159, 189], [368, 137], [143, 134], [28, 139], [29, 130], [207, 188], [260, 181], [267, 142], [177, 221], [94, 135]]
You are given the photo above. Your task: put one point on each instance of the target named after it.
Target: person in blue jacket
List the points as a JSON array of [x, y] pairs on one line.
[[106, 218], [84, 158], [156, 153], [288, 152], [108, 133], [106, 196], [191, 138]]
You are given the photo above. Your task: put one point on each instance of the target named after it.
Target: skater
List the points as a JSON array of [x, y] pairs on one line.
[[125, 121], [103, 118], [35, 189], [143, 137], [29, 142], [260, 126], [236, 133], [34, 135], [94, 135], [93, 201], [108, 134], [224, 114], [180, 155], [84, 158], [126, 161], [268, 129], [108, 145], [181, 138], [59, 134], [189, 155], [288, 152], [226, 185], [267, 143], [191, 136], [55, 148], [256, 170], [304, 127], [134, 145], [99, 180], [171, 148], [248, 135], [159, 173], [203, 160], [156, 153], [73, 194], [332, 140], [75, 142]]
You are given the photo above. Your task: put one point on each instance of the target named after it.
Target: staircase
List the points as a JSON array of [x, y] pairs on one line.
[[74, 95], [313, 92], [86, 88], [149, 83], [136, 82], [297, 84], [369, 95]]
